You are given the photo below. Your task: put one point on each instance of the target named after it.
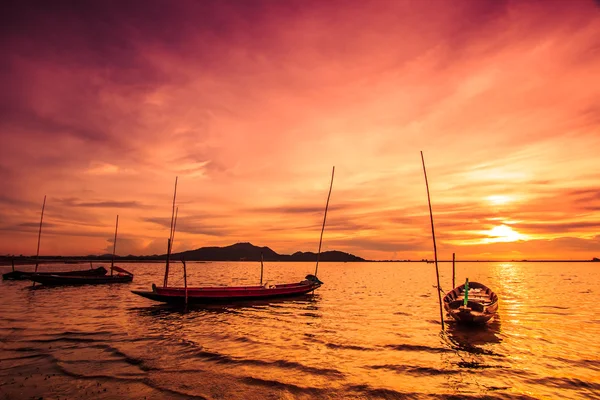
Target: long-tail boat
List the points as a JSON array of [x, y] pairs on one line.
[[53, 280], [16, 275], [471, 302], [227, 294], [123, 276]]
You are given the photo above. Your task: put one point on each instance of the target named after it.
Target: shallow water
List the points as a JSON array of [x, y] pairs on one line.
[[371, 331]]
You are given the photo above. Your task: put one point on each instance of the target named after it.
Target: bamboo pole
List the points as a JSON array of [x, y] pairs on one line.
[[169, 243], [185, 281], [112, 261], [174, 225], [324, 219], [12, 261], [91, 265], [37, 254], [437, 273], [453, 270], [261, 268]]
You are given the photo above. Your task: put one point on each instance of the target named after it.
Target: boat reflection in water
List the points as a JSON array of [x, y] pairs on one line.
[[306, 302], [474, 339]]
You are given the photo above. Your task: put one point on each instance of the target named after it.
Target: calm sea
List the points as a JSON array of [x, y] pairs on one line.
[[371, 332]]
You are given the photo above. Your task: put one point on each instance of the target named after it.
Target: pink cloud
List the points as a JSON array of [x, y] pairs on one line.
[[251, 105]]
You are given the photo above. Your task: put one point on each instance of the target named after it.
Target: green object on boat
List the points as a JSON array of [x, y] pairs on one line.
[[466, 293]]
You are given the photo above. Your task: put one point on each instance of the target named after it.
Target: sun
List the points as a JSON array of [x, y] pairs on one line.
[[503, 233], [498, 200]]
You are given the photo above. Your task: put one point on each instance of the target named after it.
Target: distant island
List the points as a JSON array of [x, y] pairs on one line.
[[238, 252], [235, 252]]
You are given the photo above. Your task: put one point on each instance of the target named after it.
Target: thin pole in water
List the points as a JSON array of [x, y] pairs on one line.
[[12, 261], [437, 274], [453, 270], [37, 254], [169, 243], [261, 268], [185, 281], [91, 265], [324, 219], [112, 261], [174, 225]]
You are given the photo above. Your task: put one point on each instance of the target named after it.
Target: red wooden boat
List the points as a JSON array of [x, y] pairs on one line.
[[227, 294]]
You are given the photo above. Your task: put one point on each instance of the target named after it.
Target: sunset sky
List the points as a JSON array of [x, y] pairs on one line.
[[251, 103]]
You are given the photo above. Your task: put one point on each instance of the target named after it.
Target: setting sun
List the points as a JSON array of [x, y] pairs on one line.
[[498, 200], [503, 233]]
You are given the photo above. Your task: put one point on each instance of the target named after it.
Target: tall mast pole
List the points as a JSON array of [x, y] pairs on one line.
[[437, 274], [37, 254], [324, 219], [112, 261], [170, 237]]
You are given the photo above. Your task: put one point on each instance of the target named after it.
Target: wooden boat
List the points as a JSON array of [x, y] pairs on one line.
[[471, 302], [123, 275], [53, 280], [228, 294], [23, 275]]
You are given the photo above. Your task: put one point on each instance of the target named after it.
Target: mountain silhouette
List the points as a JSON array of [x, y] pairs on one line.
[[249, 252]]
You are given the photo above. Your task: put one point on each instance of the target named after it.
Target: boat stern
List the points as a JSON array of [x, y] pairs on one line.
[[313, 280]]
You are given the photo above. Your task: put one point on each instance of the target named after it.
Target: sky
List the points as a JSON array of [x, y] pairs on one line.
[[251, 103]]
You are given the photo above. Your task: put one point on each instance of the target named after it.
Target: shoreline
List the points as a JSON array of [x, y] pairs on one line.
[[67, 261]]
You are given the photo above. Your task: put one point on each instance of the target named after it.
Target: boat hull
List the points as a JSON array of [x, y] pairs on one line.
[[55, 280], [481, 306], [212, 295], [22, 275]]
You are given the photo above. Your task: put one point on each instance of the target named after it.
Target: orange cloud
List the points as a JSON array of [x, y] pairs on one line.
[[251, 105]]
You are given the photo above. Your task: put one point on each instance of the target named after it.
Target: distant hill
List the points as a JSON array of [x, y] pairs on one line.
[[249, 252], [325, 256], [235, 252], [595, 259]]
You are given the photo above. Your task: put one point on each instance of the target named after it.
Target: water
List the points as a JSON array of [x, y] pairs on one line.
[[371, 331]]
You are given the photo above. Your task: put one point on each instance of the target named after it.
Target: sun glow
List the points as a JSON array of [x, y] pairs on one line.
[[503, 233], [498, 200]]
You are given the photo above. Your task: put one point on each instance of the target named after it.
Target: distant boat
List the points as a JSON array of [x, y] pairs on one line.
[[54, 280], [16, 275], [471, 302], [227, 294], [22, 275]]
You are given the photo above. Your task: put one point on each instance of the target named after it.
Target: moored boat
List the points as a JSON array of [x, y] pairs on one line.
[[24, 275], [53, 280], [226, 294], [123, 275], [472, 302]]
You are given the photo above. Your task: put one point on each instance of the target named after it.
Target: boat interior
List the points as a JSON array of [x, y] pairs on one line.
[[479, 297]]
